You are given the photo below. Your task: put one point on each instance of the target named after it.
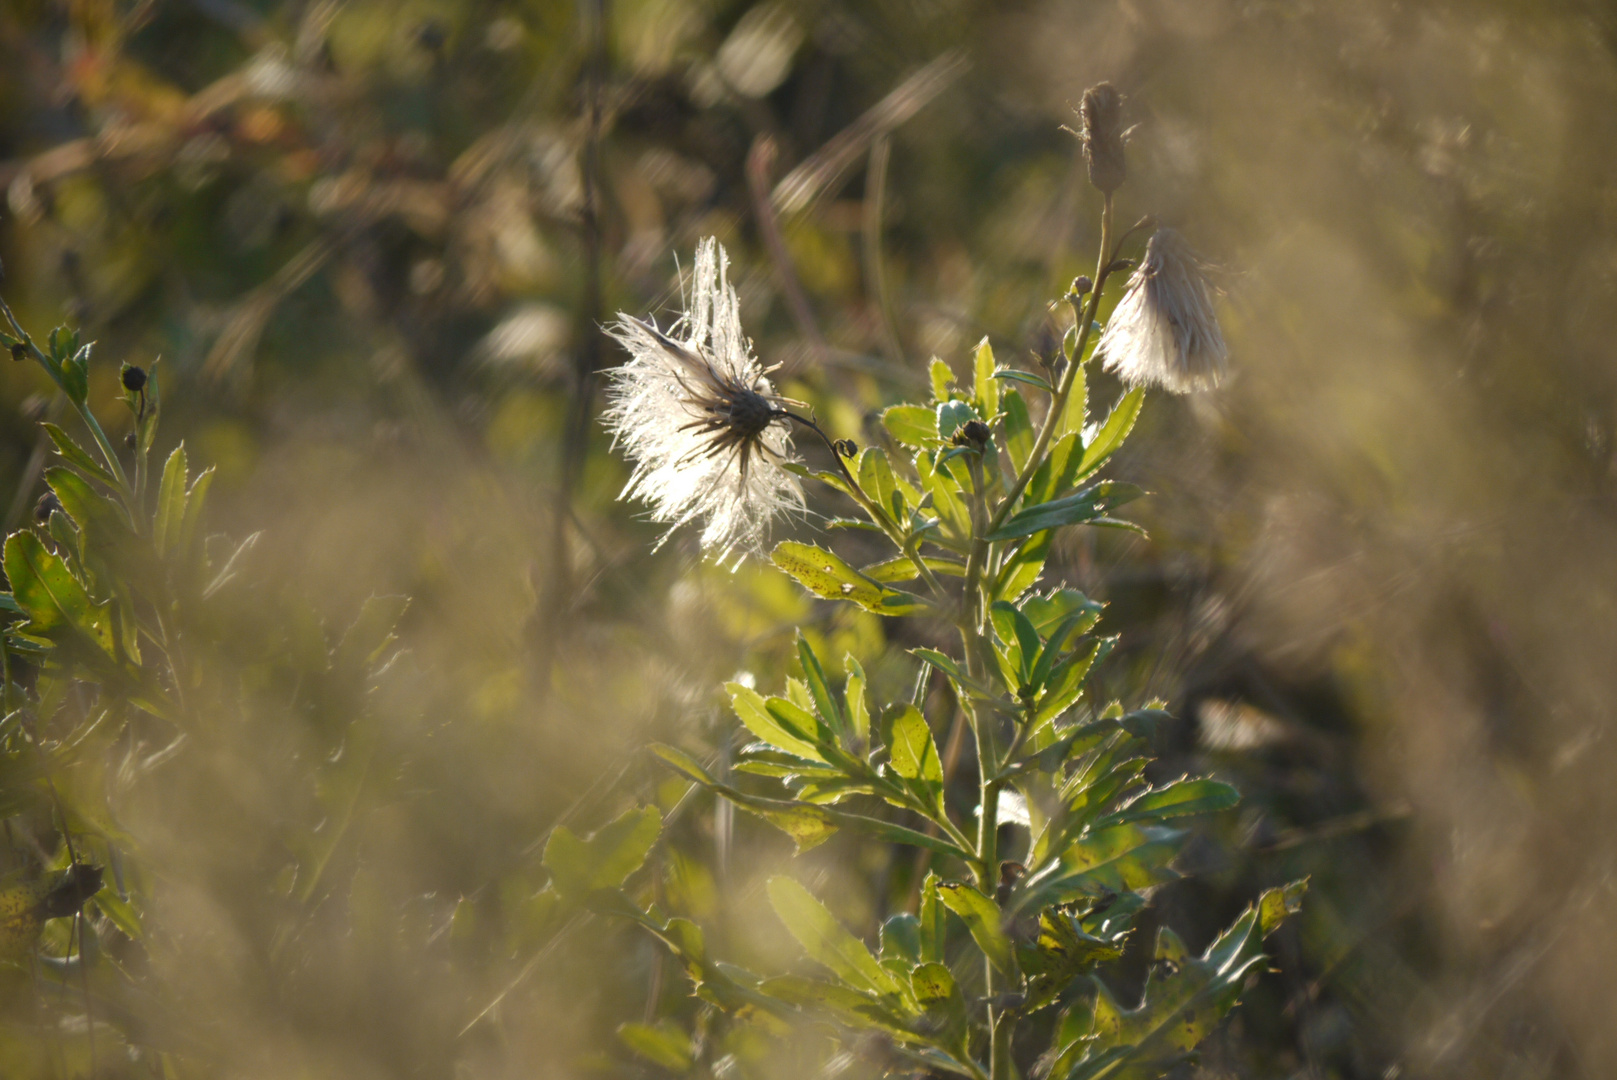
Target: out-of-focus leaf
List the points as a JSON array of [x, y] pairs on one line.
[[605, 859], [825, 940], [171, 494], [76, 456], [661, 1044]]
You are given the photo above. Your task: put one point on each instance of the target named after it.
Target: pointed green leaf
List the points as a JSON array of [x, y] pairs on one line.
[[820, 688], [825, 940], [828, 576], [754, 713], [1078, 508], [854, 696], [55, 600], [76, 456], [985, 388], [1112, 433], [982, 917], [170, 501], [1178, 799], [1018, 429]]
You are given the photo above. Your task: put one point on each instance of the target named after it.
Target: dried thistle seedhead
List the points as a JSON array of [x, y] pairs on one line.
[[697, 415], [1164, 331], [1101, 116]]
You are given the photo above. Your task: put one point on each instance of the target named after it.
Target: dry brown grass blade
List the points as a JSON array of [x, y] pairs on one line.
[[819, 174]]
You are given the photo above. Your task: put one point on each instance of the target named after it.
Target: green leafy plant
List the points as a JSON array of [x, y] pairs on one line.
[[1001, 965], [138, 655]]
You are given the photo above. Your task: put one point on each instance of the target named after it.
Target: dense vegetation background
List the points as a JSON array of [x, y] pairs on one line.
[[373, 241]]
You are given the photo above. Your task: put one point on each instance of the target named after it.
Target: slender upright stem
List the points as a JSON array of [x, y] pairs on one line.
[[114, 466], [878, 516]]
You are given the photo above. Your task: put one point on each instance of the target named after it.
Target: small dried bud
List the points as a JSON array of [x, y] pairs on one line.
[[1081, 285], [19, 351], [846, 447], [973, 433], [47, 505], [134, 378], [130, 441], [1102, 133]]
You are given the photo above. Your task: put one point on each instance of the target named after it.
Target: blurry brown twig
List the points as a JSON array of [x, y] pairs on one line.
[[881, 152], [759, 160], [819, 173]]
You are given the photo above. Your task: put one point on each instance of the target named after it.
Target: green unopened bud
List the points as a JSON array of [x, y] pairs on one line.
[[1101, 114]]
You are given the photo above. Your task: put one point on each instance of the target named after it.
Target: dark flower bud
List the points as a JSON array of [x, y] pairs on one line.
[[134, 378], [1081, 285], [19, 351], [130, 441], [1101, 114], [973, 433], [47, 505], [845, 447]]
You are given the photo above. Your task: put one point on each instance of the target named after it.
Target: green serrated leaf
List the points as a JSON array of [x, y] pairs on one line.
[[985, 389], [754, 713], [828, 576], [606, 858], [825, 940], [75, 455], [819, 688], [853, 696], [982, 917], [171, 499], [913, 425], [1024, 377], [1178, 799], [56, 602], [1081, 507], [1112, 433]]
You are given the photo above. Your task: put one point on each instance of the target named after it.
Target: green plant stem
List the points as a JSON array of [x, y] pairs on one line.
[[877, 515], [991, 769], [102, 442]]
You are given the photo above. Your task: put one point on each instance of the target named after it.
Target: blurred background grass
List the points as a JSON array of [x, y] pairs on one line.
[[373, 240]]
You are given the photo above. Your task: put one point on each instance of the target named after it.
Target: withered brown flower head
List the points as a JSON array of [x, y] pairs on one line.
[[1101, 114]]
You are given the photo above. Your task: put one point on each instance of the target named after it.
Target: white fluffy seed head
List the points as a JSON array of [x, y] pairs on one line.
[[1164, 332], [696, 415]]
